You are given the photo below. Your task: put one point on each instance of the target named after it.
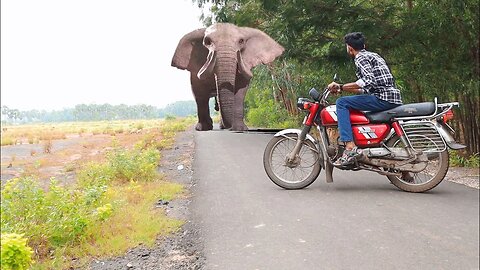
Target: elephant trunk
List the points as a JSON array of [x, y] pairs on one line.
[[225, 74]]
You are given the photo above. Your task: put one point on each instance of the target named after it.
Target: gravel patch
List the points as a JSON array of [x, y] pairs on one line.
[[464, 176]]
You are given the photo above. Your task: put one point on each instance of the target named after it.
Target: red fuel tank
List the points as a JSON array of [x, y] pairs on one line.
[[329, 117]]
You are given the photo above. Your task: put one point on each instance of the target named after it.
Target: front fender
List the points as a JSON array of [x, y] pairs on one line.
[[296, 131]]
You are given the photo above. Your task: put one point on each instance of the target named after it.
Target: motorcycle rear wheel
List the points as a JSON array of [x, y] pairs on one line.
[[297, 175], [425, 180]]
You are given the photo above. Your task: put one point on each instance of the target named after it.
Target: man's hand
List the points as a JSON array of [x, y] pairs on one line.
[[334, 87]]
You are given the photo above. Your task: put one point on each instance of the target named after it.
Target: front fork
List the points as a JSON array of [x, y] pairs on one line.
[[298, 146], [324, 160]]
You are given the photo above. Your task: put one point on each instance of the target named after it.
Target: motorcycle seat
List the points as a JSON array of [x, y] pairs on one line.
[[407, 110]]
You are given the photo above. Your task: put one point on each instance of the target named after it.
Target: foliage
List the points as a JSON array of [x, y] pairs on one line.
[[457, 160], [15, 254], [49, 219], [432, 47]]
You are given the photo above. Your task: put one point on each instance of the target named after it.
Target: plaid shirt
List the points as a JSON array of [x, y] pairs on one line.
[[375, 78]]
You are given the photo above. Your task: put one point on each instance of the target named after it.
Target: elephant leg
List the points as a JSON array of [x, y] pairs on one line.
[[226, 107], [205, 122], [239, 105]]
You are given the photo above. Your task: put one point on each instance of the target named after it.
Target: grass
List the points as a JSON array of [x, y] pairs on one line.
[[136, 221], [110, 208]]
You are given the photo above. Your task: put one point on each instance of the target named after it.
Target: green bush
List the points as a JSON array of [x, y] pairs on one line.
[[15, 254], [271, 115], [49, 219], [95, 174], [136, 164]]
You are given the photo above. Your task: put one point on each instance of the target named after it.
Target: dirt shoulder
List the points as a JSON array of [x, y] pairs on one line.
[[182, 250], [464, 176]]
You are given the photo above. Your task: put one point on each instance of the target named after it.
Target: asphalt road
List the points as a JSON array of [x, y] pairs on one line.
[[360, 221]]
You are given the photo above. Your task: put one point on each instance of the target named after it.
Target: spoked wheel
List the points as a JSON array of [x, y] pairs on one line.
[[294, 174], [427, 179]]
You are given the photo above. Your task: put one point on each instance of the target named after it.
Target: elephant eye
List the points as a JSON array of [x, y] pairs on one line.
[[241, 41], [207, 41]]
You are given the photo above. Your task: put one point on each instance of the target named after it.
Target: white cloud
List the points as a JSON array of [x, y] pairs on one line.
[[58, 53]]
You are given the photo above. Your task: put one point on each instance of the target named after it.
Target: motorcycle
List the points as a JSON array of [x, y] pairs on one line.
[[407, 144]]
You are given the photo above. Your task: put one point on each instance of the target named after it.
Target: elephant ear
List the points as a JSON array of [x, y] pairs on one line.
[[260, 48], [190, 53]]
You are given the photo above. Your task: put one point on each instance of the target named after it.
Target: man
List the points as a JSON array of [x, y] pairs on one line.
[[375, 89]]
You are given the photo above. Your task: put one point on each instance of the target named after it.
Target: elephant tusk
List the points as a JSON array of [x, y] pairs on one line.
[[208, 66]]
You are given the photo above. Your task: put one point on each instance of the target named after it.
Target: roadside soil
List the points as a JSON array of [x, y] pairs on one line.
[[182, 250]]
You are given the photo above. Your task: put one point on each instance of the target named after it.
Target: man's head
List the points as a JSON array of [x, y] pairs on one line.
[[355, 42]]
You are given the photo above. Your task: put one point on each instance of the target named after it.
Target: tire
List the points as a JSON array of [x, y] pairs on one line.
[[411, 184], [278, 148]]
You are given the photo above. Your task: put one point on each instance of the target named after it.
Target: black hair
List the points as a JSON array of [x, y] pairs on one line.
[[356, 40]]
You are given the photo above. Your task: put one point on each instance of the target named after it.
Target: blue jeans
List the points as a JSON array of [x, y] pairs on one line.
[[359, 102]]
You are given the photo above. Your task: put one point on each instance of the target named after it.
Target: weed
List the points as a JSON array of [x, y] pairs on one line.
[[47, 146], [140, 126], [70, 167]]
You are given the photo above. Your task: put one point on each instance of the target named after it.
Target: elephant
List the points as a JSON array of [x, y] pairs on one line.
[[219, 59]]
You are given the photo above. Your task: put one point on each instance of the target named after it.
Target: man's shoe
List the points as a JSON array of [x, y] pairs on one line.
[[348, 158]]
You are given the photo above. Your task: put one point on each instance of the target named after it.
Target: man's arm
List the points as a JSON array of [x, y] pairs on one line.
[[352, 87]]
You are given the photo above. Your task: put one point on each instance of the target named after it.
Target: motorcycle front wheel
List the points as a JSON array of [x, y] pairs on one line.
[[425, 180], [296, 174]]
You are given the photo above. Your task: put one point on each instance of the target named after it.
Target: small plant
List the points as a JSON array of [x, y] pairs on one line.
[[47, 146], [103, 212], [70, 167], [15, 254], [31, 139]]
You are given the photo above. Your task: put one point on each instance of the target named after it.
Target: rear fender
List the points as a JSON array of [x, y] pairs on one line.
[[443, 129]]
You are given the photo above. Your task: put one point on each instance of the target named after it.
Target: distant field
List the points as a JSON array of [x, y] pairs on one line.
[[20, 134]]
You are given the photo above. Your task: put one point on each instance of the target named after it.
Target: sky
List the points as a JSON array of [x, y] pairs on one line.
[[56, 54]]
